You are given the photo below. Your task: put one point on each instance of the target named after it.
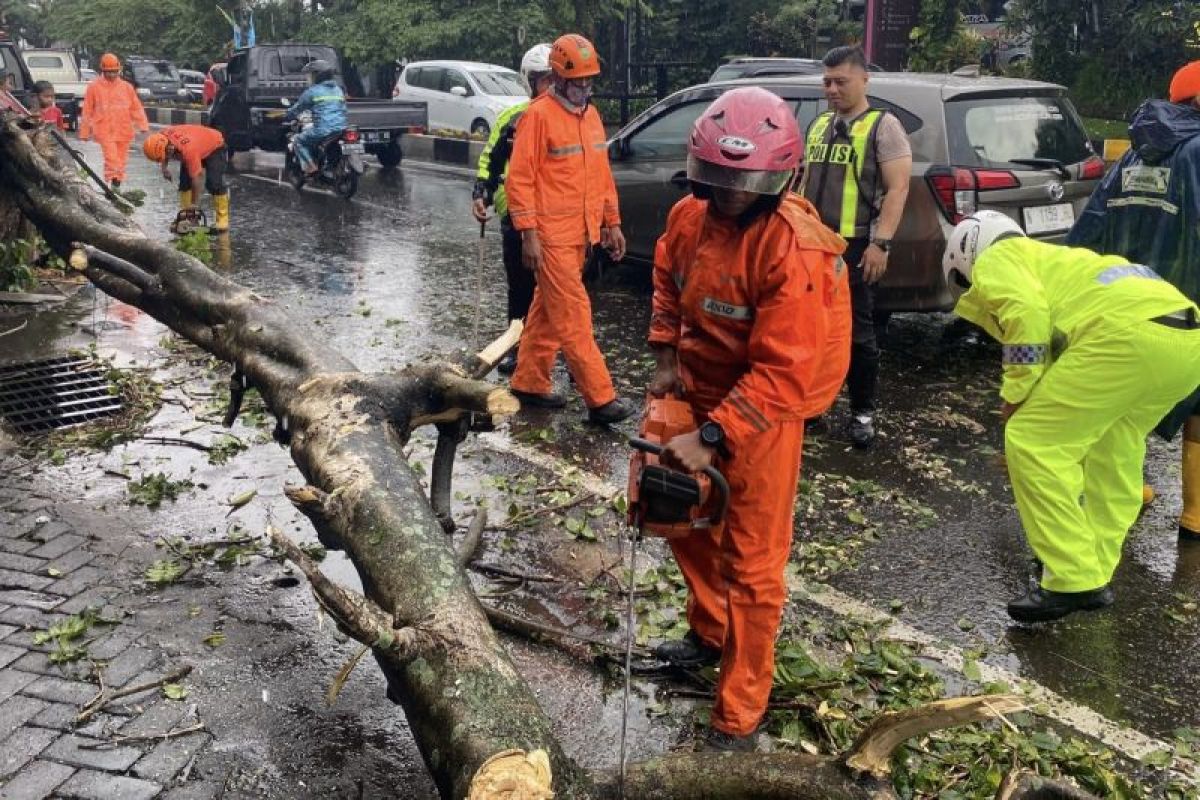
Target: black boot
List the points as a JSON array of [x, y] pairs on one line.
[[1188, 535], [862, 430], [1043, 605], [687, 652], [508, 364], [611, 413], [532, 400], [716, 741]]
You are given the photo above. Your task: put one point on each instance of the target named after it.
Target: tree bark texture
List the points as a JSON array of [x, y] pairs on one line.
[[463, 698]]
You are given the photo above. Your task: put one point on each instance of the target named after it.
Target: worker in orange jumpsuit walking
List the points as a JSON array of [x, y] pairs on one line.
[[111, 113], [199, 149], [562, 200], [746, 316]]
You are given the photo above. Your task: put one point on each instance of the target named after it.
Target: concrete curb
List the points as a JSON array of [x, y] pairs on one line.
[[438, 149], [170, 115]]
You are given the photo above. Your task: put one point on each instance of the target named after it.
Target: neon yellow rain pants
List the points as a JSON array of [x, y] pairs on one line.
[[1075, 447]]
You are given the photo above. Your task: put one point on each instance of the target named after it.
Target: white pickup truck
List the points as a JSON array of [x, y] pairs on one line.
[[60, 68]]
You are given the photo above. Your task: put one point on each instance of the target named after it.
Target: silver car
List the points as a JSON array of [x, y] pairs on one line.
[[1011, 145]]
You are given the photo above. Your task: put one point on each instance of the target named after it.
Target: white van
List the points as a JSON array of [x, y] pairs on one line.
[[461, 95]]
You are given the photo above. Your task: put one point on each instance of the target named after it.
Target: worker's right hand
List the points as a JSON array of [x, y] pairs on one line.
[[479, 209], [665, 382], [531, 251]]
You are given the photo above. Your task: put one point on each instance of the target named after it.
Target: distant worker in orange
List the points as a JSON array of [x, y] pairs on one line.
[[199, 149], [111, 113], [750, 325], [562, 199]]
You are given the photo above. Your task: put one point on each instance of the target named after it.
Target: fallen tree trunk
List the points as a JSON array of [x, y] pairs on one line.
[[466, 704]]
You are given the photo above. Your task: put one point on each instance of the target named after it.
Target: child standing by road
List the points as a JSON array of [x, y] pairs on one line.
[[45, 109]]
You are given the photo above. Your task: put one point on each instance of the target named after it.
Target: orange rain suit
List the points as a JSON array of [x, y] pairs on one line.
[[746, 312], [559, 183], [111, 111]]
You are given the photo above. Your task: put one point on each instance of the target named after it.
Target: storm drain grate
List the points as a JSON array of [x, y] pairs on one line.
[[39, 396]]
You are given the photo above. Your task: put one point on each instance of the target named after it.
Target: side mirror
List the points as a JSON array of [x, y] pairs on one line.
[[616, 149], [458, 91]]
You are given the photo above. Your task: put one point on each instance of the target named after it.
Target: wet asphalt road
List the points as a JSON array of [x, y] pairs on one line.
[[393, 275]]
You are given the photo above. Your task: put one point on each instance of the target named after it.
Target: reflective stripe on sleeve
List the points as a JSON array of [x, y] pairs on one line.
[[1026, 354]]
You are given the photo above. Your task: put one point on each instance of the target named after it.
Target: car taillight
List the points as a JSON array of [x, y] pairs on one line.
[[417, 130], [957, 189], [1092, 169], [350, 136]]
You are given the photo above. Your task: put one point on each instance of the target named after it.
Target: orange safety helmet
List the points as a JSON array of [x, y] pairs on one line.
[[1185, 85], [109, 61], [155, 147], [572, 56]]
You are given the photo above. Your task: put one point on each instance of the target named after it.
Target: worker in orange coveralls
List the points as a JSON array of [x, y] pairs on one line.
[[111, 112], [748, 327], [199, 149], [562, 200]]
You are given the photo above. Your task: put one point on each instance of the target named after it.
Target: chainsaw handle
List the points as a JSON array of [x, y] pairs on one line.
[[714, 475]]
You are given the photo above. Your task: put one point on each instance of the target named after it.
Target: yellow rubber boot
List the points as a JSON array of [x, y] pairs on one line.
[[186, 199], [221, 206], [1189, 522]]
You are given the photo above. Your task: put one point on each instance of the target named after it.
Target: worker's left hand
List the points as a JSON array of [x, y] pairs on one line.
[[874, 264], [688, 453], [613, 240], [1008, 409]]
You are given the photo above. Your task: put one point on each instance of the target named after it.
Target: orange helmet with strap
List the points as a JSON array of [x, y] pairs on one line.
[[155, 147], [109, 61], [572, 56]]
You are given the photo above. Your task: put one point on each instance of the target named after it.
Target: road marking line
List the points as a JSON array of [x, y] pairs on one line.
[[1125, 740]]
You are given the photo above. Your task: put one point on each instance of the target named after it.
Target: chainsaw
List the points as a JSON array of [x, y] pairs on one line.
[[666, 503], [662, 501], [189, 219]]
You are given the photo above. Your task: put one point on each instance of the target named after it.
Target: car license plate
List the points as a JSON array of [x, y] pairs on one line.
[[1049, 219], [353, 148]]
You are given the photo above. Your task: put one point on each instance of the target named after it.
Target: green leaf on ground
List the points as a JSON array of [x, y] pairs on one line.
[[150, 490], [164, 571], [214, 639], [173, 691]]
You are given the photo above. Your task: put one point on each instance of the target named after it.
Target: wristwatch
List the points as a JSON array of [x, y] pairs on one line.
[[713, 435], [883, 244]]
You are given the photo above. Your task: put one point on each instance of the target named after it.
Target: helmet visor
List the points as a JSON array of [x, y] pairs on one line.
[[758, 181]]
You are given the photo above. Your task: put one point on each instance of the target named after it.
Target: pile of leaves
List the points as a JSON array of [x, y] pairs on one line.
[[830, 682], [151, 489], [67, 635]]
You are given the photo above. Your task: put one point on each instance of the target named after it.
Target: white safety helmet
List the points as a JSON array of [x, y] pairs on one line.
[[970, 238], [536, 61]]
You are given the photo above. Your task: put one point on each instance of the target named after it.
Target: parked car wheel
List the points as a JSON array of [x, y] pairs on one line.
[[481, 127], [390, 156]]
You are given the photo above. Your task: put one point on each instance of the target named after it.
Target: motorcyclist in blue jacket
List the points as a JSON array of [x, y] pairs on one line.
[[327, 102]]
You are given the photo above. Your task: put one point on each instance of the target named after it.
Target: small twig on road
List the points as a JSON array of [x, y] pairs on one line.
[[107, 695], [522, 626], [522, 517], [172, 440], [17, 329], [115, 474], [118, 739], [504, 572]]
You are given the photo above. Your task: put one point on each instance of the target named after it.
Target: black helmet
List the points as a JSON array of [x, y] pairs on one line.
[[321, 70]]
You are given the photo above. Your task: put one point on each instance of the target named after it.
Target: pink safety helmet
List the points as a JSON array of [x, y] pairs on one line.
[[748, 140]]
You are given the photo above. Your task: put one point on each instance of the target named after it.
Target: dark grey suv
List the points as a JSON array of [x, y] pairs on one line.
[[1011, 145]]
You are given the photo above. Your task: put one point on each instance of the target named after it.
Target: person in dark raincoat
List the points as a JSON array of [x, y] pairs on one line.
[[1147, 209]]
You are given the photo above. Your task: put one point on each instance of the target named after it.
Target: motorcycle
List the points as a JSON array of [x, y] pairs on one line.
[[339, 158]]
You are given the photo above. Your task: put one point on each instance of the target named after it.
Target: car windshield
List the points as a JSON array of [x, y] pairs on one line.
[[155, 71], [1004, 131], [501, 84], [728, 72]]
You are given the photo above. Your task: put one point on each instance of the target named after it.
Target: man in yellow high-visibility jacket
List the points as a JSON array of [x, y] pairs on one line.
[[1076, 424]]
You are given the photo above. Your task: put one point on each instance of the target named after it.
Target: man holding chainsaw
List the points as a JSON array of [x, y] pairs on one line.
[[199, 149], [745, 308]]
